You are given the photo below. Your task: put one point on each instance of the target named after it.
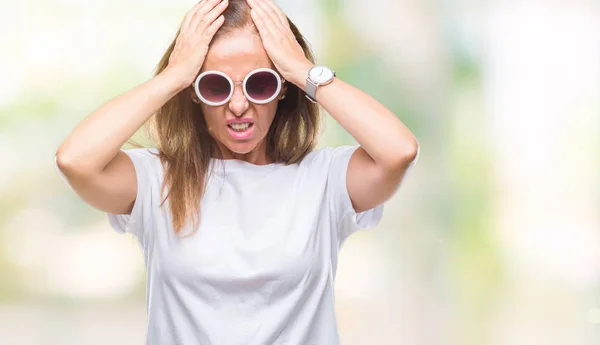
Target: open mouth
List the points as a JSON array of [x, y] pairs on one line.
[[241, 131], [240, 127]]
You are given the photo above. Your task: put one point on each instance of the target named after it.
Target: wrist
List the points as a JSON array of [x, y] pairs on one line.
[[298, 75], [173, 80]]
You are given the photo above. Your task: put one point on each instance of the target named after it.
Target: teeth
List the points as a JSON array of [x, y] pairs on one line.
[[240, 126]]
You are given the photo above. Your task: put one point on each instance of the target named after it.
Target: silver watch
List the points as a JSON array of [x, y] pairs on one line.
[[317, 76]]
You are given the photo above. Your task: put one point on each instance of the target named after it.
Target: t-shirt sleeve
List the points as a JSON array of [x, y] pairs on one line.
[[348, 220], [139, 220]]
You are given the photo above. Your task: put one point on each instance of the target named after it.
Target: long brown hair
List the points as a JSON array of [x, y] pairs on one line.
[[186, 147]]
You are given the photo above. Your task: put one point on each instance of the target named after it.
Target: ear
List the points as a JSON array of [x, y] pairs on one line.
[[284, 89], [193, 95]]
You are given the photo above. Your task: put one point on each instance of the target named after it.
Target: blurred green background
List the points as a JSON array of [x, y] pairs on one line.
[[492, 239]]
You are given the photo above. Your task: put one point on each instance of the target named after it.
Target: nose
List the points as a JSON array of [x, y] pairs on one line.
[[238, 103]]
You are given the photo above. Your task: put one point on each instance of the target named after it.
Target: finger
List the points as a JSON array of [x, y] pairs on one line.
[[269, 14], [199, 17], [266, 20], [189, 15], [212, 28], [213, 14], [278, 12], [259, 22]]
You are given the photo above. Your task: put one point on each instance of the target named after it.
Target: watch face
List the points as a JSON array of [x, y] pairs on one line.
[[321, 74]]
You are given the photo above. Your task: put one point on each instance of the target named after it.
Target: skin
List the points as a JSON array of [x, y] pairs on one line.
[[387, 146], [104, 177], [237, 54]]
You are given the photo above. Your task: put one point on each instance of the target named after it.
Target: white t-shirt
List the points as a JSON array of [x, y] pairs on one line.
[[260, 269]]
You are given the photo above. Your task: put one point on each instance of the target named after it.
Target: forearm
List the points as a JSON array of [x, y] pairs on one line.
[[379, 132], [96, 140]]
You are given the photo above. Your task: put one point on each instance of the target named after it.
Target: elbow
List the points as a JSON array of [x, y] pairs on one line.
[[68, 164], [71, 168], [71, 163], [59, 165], [63, 162], [405, 155], [412, 152], [68, 169], [64, 167], [408, 152]]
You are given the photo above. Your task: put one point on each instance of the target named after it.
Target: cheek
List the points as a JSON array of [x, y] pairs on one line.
[[211, 117], [266, 115]]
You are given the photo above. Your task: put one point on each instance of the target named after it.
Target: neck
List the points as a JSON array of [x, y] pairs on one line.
[[257, 156]]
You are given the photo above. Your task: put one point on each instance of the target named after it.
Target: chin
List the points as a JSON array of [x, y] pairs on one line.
[[240, 147]]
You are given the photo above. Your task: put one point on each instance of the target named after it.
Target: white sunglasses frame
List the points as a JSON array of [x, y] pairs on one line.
[[279, 79]]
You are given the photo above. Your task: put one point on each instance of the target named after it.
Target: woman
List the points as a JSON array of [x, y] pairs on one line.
[[239, 219]]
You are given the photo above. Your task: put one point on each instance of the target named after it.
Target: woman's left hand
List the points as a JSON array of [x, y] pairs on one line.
[[279, 41]]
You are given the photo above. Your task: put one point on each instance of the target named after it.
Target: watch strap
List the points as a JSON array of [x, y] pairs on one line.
[[311, 90]]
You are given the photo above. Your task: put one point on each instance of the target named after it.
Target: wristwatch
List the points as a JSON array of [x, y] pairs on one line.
[[317, 76]]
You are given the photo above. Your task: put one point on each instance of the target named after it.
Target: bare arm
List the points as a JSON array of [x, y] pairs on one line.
[[90, 157], [387, 146]]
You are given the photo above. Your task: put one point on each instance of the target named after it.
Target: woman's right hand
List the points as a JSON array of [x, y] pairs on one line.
[[90, 158], [191, 46]]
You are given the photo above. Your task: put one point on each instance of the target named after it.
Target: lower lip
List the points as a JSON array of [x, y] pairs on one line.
[[241, 135]]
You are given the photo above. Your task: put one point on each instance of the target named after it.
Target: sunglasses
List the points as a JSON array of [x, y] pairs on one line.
[[260, 86]]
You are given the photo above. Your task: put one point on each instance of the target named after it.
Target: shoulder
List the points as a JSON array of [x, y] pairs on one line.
[[146, 161], [143, 155], [328, 155], [145, 152]]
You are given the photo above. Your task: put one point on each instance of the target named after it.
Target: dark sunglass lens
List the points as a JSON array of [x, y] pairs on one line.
[[261, 86], [214, 88]]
